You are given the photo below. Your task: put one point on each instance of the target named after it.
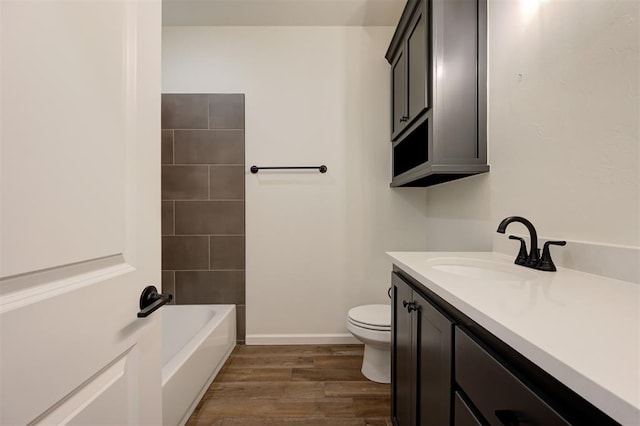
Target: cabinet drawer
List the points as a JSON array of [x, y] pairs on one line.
[[497, 394], [462, 414]]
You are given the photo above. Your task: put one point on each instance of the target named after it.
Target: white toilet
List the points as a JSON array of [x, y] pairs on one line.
[[371, 324]]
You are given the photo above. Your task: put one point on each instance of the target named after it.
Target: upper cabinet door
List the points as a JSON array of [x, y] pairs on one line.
[[410, 73], [417, 71], [399, 94]]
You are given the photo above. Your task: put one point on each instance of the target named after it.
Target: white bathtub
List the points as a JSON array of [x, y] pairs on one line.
[[196, 341]]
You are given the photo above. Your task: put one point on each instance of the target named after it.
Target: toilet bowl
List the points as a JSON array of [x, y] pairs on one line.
[[371, 324]]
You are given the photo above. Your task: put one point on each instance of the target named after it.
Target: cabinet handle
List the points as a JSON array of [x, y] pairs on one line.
[[404, 118], [507, 417], [411, 306]]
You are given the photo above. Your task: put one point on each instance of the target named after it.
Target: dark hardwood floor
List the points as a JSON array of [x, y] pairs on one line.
[[310, 385]]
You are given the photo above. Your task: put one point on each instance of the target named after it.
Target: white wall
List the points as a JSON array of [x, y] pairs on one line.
[[314, 95], [563, 128]]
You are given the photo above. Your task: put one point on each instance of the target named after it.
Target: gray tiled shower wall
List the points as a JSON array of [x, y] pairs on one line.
[[203, 229]]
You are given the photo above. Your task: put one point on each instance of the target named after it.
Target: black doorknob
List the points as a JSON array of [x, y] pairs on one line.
[[151, 300]]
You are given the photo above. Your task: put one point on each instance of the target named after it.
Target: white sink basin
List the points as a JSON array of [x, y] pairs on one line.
[[481, 269]]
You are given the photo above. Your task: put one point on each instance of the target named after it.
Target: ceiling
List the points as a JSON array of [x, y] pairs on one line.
[[281, 12]]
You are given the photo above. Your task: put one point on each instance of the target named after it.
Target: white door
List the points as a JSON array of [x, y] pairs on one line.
[[79, 212]]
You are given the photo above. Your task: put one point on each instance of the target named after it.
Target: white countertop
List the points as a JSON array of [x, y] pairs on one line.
[[583, 329]]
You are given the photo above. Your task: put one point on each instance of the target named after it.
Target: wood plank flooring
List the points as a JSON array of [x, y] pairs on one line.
[[310, 385]]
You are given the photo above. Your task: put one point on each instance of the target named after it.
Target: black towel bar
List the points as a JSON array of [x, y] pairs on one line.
[[321, 169]]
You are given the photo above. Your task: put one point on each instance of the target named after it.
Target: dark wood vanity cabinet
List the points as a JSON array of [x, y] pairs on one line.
[[438, 92], [448, 370], [421, 359]]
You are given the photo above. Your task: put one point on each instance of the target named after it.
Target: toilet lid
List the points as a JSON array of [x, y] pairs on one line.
[[378, 316]]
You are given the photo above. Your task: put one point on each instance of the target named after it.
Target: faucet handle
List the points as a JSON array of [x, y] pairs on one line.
[[522, 254], [546, 264]]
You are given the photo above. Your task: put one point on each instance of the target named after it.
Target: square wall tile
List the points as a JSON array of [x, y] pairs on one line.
[[209, 217], [185, 182], [201, 287], [208, 147], [167, 218], [185, 252], [166, 147], [168, 284], [185, 111], [226, 182], [227, 252], [226, 111]]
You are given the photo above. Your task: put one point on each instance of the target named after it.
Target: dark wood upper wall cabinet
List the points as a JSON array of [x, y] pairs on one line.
[[438, 92]]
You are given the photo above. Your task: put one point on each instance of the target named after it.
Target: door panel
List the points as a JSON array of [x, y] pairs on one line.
[[79, 212], [64, 132], [52, 347], [94, 400]]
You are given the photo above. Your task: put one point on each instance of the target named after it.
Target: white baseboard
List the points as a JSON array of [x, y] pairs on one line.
[[300, 339]]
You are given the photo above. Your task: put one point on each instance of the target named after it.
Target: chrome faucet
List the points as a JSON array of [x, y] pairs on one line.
[[531, 260], [534, 254]]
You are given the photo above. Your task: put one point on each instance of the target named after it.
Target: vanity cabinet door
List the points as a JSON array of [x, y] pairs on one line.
[[420, 359], [434, 350], [403, 378]]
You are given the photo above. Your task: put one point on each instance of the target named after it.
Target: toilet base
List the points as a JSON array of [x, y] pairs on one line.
[[376, 364]]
